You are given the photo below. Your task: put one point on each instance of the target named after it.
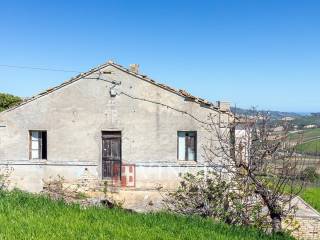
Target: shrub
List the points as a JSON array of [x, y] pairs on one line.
[[8, 100], [309, 174], [209, 195]]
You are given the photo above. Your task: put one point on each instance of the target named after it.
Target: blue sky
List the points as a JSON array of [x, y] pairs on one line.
[[251, 53]]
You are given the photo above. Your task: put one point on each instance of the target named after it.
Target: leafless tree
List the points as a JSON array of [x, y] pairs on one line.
[[252, 155], [252, 174]]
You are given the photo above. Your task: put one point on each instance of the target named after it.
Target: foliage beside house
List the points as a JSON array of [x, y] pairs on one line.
[[8, 100]]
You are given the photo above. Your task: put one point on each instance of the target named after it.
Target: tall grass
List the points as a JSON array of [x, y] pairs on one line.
[[27, 216], [312, 196]]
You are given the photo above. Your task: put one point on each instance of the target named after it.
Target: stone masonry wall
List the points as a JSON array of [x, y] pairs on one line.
[[307, 221]]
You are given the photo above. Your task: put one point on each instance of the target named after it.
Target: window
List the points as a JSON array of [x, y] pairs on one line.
[[38, 145], [187, 146]]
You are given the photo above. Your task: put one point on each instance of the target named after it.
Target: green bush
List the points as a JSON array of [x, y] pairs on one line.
[[209, 195], [8, 100], [309, 174]]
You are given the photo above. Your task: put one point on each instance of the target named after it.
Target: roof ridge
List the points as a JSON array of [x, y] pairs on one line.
[[143, 77], [180, 92]]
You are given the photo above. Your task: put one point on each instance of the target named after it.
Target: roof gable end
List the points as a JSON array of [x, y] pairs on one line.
[[180, 92]]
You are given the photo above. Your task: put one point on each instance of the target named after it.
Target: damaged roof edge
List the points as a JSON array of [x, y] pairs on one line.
[[182, 93]]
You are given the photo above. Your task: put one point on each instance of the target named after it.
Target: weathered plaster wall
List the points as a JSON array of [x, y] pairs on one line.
[[74, 117]]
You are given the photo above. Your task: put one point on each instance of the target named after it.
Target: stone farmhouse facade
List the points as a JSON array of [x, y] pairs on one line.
[[109, 124]]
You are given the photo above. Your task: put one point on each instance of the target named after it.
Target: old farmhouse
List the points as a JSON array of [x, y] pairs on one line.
[[108, 124]]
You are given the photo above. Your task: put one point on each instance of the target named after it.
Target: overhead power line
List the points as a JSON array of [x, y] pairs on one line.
[[39, 68]]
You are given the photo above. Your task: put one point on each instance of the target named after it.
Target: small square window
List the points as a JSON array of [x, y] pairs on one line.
[[38, 145], [187, 145]]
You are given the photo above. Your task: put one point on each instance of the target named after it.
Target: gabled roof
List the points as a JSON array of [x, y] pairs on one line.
[[179, 92]]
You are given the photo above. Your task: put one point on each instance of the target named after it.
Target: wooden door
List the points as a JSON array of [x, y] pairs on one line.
[[111, 155]]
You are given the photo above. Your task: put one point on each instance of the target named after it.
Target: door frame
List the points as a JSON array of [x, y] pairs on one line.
[[110, 134]]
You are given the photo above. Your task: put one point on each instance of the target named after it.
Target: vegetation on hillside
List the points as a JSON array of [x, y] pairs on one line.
[[275, 115], [311, 147], [300, 120], [305, 135], [310, 141], [27, 216], [306, 120], [310, 175], [312, 196], [8, 100]]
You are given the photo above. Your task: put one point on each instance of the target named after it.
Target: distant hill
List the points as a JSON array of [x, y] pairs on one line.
[[276, 115], [300, 119]]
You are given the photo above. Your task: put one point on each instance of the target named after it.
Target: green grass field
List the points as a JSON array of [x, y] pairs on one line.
[[311, 147], [307, 135], [310, 140], [26, 216], [312, 196]]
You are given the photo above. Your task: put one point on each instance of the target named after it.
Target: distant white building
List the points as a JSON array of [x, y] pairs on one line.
[[310, 126], [288, 119], [278, 129]]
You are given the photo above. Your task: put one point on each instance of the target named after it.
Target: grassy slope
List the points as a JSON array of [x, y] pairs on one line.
[[309, 147], [311, 141], [24, 216], [312, 196], [308, 134]]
